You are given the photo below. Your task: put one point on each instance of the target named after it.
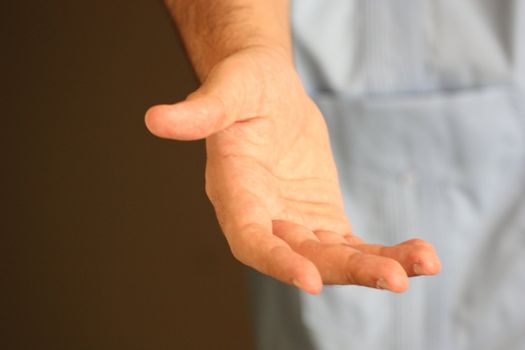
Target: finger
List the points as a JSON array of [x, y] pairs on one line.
[[340, 264], [191, 119], [248, 229], [417, 256], [256, 246], [226, 96]]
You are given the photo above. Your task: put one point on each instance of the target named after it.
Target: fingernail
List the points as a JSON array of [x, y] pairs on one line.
[[418, 270], [296, 283], [381, 284]]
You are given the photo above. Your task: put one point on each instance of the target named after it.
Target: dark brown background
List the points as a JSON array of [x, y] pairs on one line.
[[108, 239]]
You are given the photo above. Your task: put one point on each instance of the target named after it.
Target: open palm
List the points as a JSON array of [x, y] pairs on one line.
[[271, 177]]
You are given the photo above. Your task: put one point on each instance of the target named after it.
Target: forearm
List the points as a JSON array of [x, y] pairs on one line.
[[214, 29]]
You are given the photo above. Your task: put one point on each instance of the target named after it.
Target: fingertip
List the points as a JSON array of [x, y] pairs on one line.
[[313, 284], [187, 120], [398, 284], [427, 267], [308, 279], [309, 286], [314, 290], [396, 280], [437, 267], [155, 119]]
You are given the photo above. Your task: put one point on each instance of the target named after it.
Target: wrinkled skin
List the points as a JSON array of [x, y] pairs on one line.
[[272, 180]]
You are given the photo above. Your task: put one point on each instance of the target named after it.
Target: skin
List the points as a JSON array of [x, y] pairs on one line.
[[270, 173]]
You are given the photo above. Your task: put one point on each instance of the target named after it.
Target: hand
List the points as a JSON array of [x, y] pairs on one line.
[[271, 177]]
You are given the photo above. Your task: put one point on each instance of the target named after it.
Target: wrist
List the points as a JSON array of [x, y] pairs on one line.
[[280, 52]]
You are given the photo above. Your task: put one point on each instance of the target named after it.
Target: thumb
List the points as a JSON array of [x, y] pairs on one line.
[[217, 104]]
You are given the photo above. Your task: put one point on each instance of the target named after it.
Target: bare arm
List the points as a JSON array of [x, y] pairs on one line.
[[213, 30]]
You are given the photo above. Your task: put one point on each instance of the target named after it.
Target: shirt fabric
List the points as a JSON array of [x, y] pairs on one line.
[[425, 103]]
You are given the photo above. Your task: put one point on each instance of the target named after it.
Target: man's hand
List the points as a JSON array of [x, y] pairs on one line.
[[271, 177]]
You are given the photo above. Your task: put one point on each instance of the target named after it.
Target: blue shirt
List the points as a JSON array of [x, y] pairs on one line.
[[425, 102]]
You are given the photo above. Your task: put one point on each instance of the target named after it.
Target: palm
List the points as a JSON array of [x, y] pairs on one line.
[[285, 161], [271, 178]]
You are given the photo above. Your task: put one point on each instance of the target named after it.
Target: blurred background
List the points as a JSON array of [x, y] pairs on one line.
[[108, 239]]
